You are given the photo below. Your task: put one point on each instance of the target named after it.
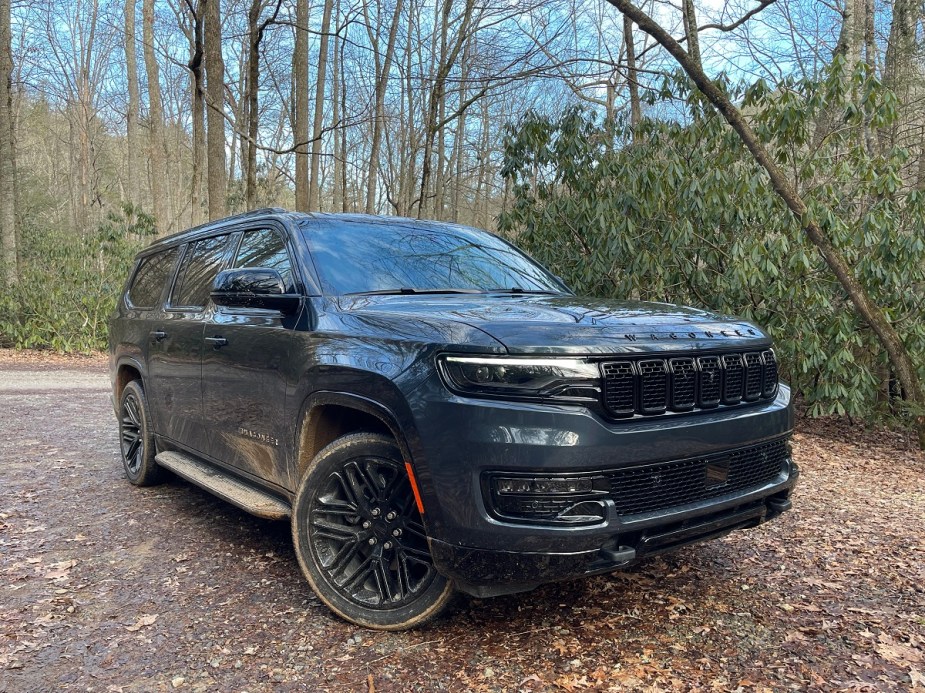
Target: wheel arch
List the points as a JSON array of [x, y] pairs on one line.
[[327, 415], [127, 370]]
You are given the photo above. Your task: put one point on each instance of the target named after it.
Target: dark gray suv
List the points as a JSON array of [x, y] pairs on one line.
[[431, 409]]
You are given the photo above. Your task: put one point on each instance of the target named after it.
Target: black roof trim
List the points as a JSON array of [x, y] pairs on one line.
[[216, 225]]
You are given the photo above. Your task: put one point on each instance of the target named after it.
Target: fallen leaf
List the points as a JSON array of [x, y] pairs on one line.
[[56, 571], [145, 620]]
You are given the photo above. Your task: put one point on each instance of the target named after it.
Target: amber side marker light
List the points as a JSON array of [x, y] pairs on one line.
[[414, 488]]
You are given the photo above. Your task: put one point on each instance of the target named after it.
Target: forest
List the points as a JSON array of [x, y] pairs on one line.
[[757, 157]]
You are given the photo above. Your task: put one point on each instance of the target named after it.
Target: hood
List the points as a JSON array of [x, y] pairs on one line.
[[570, 324]]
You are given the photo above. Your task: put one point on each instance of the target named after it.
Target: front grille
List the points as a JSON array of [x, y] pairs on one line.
[[620, 394], [683, 384], [660, 486], [635, 490], [648, 386], [654, 382]]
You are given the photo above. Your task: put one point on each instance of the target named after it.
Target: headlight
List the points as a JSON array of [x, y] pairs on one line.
[[566, 379]]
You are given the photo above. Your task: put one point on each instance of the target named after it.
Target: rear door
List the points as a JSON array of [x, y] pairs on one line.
[[247, 366], [176, 346]]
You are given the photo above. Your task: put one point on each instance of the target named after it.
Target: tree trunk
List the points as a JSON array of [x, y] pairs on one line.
[[899, 65], [155, 121], [867, 309], [438, 89], [848, 49], [690, 30], [133, 191], [300, 107], [215, 117], [632, 77], [440, 177], [382, 82], [197, 96], [920, 183], [9, 270], [458, 148], [851, 35], [251, 97], [314, 183], [483, 191], [408, 175], [336, 126]]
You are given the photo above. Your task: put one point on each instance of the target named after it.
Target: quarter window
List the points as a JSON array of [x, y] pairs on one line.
[[202, 262], [266, 249], [150, 278]]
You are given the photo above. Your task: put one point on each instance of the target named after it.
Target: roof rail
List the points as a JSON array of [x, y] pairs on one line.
[[225, 220]]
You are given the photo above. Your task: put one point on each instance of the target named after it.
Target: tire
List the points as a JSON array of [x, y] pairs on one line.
[[136, 437], [359, 537]]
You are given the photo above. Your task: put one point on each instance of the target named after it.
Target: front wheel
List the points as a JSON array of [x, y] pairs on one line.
[[359, 537]]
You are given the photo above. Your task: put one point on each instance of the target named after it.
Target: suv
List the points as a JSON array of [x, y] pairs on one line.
[[432, 410]]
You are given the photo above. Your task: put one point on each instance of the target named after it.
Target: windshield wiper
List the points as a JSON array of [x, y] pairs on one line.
[[410, 291], [518, 290]]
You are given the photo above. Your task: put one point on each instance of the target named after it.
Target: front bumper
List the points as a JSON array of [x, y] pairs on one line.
[[463, 441], [486, 572]]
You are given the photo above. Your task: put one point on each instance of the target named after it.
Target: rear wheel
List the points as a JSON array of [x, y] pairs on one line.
[[359, 537], [137, 438]]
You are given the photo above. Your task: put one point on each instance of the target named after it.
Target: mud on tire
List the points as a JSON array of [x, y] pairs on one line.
[[359, 537]]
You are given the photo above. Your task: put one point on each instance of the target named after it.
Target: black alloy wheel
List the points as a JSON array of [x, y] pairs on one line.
[[360, 538]]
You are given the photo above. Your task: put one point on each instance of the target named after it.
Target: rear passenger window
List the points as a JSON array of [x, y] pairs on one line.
[[202, 262], [265, 248], [150, 278]]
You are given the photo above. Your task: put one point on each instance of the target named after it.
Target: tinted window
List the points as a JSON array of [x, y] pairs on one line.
[[202, 262], [357, 257], [150, 278], [265, 248]]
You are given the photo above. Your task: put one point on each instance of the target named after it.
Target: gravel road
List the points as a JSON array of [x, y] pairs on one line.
[[106, 587]]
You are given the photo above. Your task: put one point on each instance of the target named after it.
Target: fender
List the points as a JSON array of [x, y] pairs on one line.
[[379, 398], [124, 360]]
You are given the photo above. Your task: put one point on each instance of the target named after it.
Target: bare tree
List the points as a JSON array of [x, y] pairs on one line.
[[383, 66], [314, 182], [337, 87], [900, 65], [131, 114], [300, 106], [215, 117], [156, 146], [197, 105], [8, 256], [632, 77], [255, 31], [449, 52]]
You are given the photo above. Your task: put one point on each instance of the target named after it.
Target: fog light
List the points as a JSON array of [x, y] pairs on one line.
[[543, 485]]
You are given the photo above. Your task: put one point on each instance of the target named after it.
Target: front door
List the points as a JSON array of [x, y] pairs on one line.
[[245, 369]]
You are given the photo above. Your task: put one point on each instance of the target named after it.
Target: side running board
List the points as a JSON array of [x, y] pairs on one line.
[[225, 486]]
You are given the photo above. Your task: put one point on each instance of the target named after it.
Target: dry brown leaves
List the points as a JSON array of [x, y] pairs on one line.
[[96, 575]]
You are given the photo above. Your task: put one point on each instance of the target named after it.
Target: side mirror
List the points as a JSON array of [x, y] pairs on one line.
[[253, 287]]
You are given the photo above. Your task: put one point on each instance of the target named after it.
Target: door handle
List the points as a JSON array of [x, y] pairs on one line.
[[158, 335], [217, 342]]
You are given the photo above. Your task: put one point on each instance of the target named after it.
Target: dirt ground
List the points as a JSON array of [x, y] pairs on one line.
[[106, 587]]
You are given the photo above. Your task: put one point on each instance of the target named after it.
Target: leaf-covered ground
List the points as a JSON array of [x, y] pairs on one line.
[[106, 587]]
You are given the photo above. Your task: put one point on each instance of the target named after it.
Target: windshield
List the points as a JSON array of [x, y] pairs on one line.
[[402, 256]]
